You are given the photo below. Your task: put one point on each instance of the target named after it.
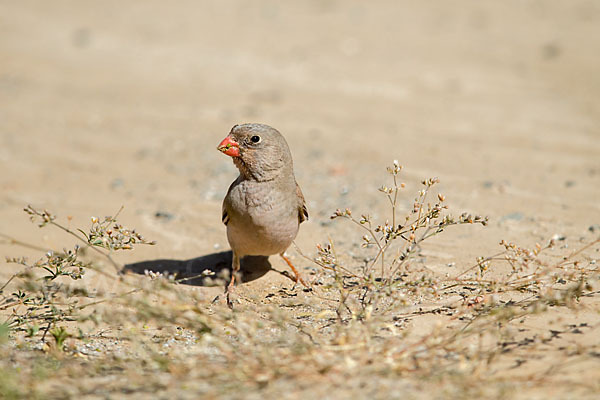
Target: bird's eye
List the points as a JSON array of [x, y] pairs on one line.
[[255, 139]]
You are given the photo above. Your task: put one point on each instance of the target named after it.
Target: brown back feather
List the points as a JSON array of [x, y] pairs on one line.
[[302, 210]]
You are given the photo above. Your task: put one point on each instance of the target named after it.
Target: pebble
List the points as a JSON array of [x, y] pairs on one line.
[[164, 215]]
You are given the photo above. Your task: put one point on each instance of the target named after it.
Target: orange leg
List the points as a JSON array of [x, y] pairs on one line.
[[235, 267], [298, 278]]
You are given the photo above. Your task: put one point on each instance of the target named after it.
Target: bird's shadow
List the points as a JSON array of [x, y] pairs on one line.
[[194, 271]]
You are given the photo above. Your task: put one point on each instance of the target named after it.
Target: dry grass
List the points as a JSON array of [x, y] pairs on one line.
[[384, 326]]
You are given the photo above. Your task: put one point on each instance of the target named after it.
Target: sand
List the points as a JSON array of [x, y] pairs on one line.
[[109, 104]]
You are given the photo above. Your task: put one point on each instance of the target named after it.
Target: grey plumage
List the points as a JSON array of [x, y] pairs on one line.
[[264, 206]]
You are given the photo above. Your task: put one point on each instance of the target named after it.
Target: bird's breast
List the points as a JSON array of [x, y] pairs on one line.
[[263, 218]]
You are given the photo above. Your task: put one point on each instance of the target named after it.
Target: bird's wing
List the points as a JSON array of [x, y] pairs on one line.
[[226, 200], [225, 216], [302, 210]]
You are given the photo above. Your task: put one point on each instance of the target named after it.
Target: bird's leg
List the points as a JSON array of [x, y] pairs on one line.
[[298, 278], [235, 268]]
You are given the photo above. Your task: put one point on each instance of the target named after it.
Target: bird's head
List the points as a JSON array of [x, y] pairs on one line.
[[258, 151]]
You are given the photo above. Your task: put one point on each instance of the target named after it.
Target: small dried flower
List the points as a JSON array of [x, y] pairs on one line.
[[395, 168]]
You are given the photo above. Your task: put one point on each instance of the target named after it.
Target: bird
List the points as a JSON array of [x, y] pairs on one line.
[[264, 206]]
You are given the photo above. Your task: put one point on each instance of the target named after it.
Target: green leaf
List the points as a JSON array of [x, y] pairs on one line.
[[4, 330], [87, 238]]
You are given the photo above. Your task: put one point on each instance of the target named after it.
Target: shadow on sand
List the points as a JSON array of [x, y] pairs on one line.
[[252, 267]]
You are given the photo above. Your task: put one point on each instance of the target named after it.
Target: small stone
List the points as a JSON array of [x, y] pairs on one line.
[[164, 215], [516, 216], [594, 228], [116, 183]]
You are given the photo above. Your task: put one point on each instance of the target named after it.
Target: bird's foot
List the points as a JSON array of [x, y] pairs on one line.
[[229, 289], [297, 276], [227, 298]]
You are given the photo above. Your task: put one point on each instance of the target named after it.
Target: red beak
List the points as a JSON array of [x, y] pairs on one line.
[[229, 147]]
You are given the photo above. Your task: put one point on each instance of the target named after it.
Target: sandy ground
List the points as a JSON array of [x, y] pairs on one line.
[[112, 103]]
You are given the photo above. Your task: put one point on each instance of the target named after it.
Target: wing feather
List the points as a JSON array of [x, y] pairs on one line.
[[302, 210]]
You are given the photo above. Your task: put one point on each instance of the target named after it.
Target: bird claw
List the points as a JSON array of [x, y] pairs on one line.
[[297, 277], [229, 302], [220, 300]]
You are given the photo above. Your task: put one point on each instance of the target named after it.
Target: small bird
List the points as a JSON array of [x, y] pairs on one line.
[[264, 206]]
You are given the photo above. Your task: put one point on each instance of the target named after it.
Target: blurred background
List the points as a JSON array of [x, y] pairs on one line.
[[109, 103]]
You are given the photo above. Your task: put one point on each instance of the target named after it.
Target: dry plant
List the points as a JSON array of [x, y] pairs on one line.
[[391, 239], [44, 301], [365, 328]]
